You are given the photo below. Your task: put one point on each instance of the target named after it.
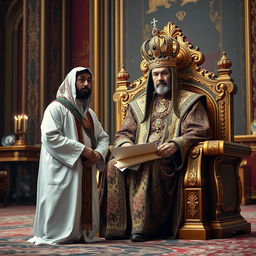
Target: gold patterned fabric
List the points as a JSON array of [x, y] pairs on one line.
[[149, 200]]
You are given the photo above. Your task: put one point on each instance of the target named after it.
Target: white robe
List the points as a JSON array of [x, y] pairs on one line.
[[59, 191]]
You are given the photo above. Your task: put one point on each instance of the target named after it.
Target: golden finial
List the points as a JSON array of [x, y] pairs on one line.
[[224, 62], [123, 75]]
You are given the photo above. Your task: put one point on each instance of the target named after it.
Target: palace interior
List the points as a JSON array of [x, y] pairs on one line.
[[42, 40]]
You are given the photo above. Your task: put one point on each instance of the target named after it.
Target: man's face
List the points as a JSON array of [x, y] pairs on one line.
[[83, 86], [162, 80]]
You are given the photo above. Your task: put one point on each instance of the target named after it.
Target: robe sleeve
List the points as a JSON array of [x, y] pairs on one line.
[[127, 133], [102, 139], [64, 149], [195, 127]]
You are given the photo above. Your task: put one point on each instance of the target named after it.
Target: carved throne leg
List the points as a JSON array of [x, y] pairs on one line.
[[226, 219], [195, 224]]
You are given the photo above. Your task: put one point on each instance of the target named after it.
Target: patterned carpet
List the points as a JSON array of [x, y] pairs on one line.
[[16, 227]]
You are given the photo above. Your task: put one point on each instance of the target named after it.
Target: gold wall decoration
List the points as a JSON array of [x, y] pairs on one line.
[[184, 2], [154, 4], [181, 15], [215, 16]]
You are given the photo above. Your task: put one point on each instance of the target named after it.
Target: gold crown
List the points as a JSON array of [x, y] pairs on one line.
[[162, 50]]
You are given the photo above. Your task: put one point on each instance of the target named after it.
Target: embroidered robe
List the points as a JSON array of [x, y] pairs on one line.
[[149, 200]]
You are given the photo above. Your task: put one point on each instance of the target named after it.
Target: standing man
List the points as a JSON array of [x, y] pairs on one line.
[[147, 203], [74, 145]]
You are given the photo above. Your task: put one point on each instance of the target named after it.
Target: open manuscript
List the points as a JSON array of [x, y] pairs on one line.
[[134, 155]]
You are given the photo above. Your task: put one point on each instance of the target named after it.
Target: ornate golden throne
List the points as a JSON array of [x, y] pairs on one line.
[[212, 187]]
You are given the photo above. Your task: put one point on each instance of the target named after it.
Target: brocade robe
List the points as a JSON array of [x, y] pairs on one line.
[[149, 200]]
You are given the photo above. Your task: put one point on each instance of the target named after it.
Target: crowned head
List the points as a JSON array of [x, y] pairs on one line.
[[160, 50]]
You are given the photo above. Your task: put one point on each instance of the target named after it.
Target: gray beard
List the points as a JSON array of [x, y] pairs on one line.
[[162, 90]]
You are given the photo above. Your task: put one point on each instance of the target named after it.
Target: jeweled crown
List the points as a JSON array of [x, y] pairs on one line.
[[160, 50]]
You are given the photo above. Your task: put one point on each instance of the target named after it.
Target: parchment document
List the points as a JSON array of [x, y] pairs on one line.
[[133, 155]]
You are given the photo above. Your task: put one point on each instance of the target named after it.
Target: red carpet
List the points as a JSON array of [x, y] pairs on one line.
[[16, 227]]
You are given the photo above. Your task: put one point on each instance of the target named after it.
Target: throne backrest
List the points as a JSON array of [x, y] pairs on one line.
[[219, 90]]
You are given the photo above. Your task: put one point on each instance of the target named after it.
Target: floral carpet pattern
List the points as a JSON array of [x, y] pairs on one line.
[[16, 224]]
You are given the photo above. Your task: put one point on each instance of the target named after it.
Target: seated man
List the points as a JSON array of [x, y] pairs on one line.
[[147, 203]]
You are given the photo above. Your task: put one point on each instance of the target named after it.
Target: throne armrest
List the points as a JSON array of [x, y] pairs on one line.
[[221, 147], [212, 190]]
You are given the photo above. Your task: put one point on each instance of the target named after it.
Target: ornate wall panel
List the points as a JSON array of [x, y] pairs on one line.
[[32, 67], [251, 61], [45, 61], [53, 54], [1, 69]]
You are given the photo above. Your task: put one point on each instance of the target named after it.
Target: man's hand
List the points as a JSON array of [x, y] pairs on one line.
[[97, 156], [88, 153], [94, 160], [167, 149], [126, 144]]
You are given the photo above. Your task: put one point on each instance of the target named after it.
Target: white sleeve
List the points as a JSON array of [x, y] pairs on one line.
[[56, 142], [102, 139]]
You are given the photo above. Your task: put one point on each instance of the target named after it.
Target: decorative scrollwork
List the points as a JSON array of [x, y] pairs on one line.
[[192, 175], [220, 196], [188, 54], [192, 170], [192, 204], [194, 153], [221, 88], [139, 82], [172, 30], [123, 112], [222, 107], [144, 66], [121, 96], [213, 147], [205, 73]]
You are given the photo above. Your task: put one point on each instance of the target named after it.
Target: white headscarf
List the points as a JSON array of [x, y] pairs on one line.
[[68, 90]]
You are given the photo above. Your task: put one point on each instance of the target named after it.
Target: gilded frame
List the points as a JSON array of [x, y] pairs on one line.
[[249, 111]]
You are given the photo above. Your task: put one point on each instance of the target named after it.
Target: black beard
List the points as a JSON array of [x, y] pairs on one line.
[[83, 95]]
